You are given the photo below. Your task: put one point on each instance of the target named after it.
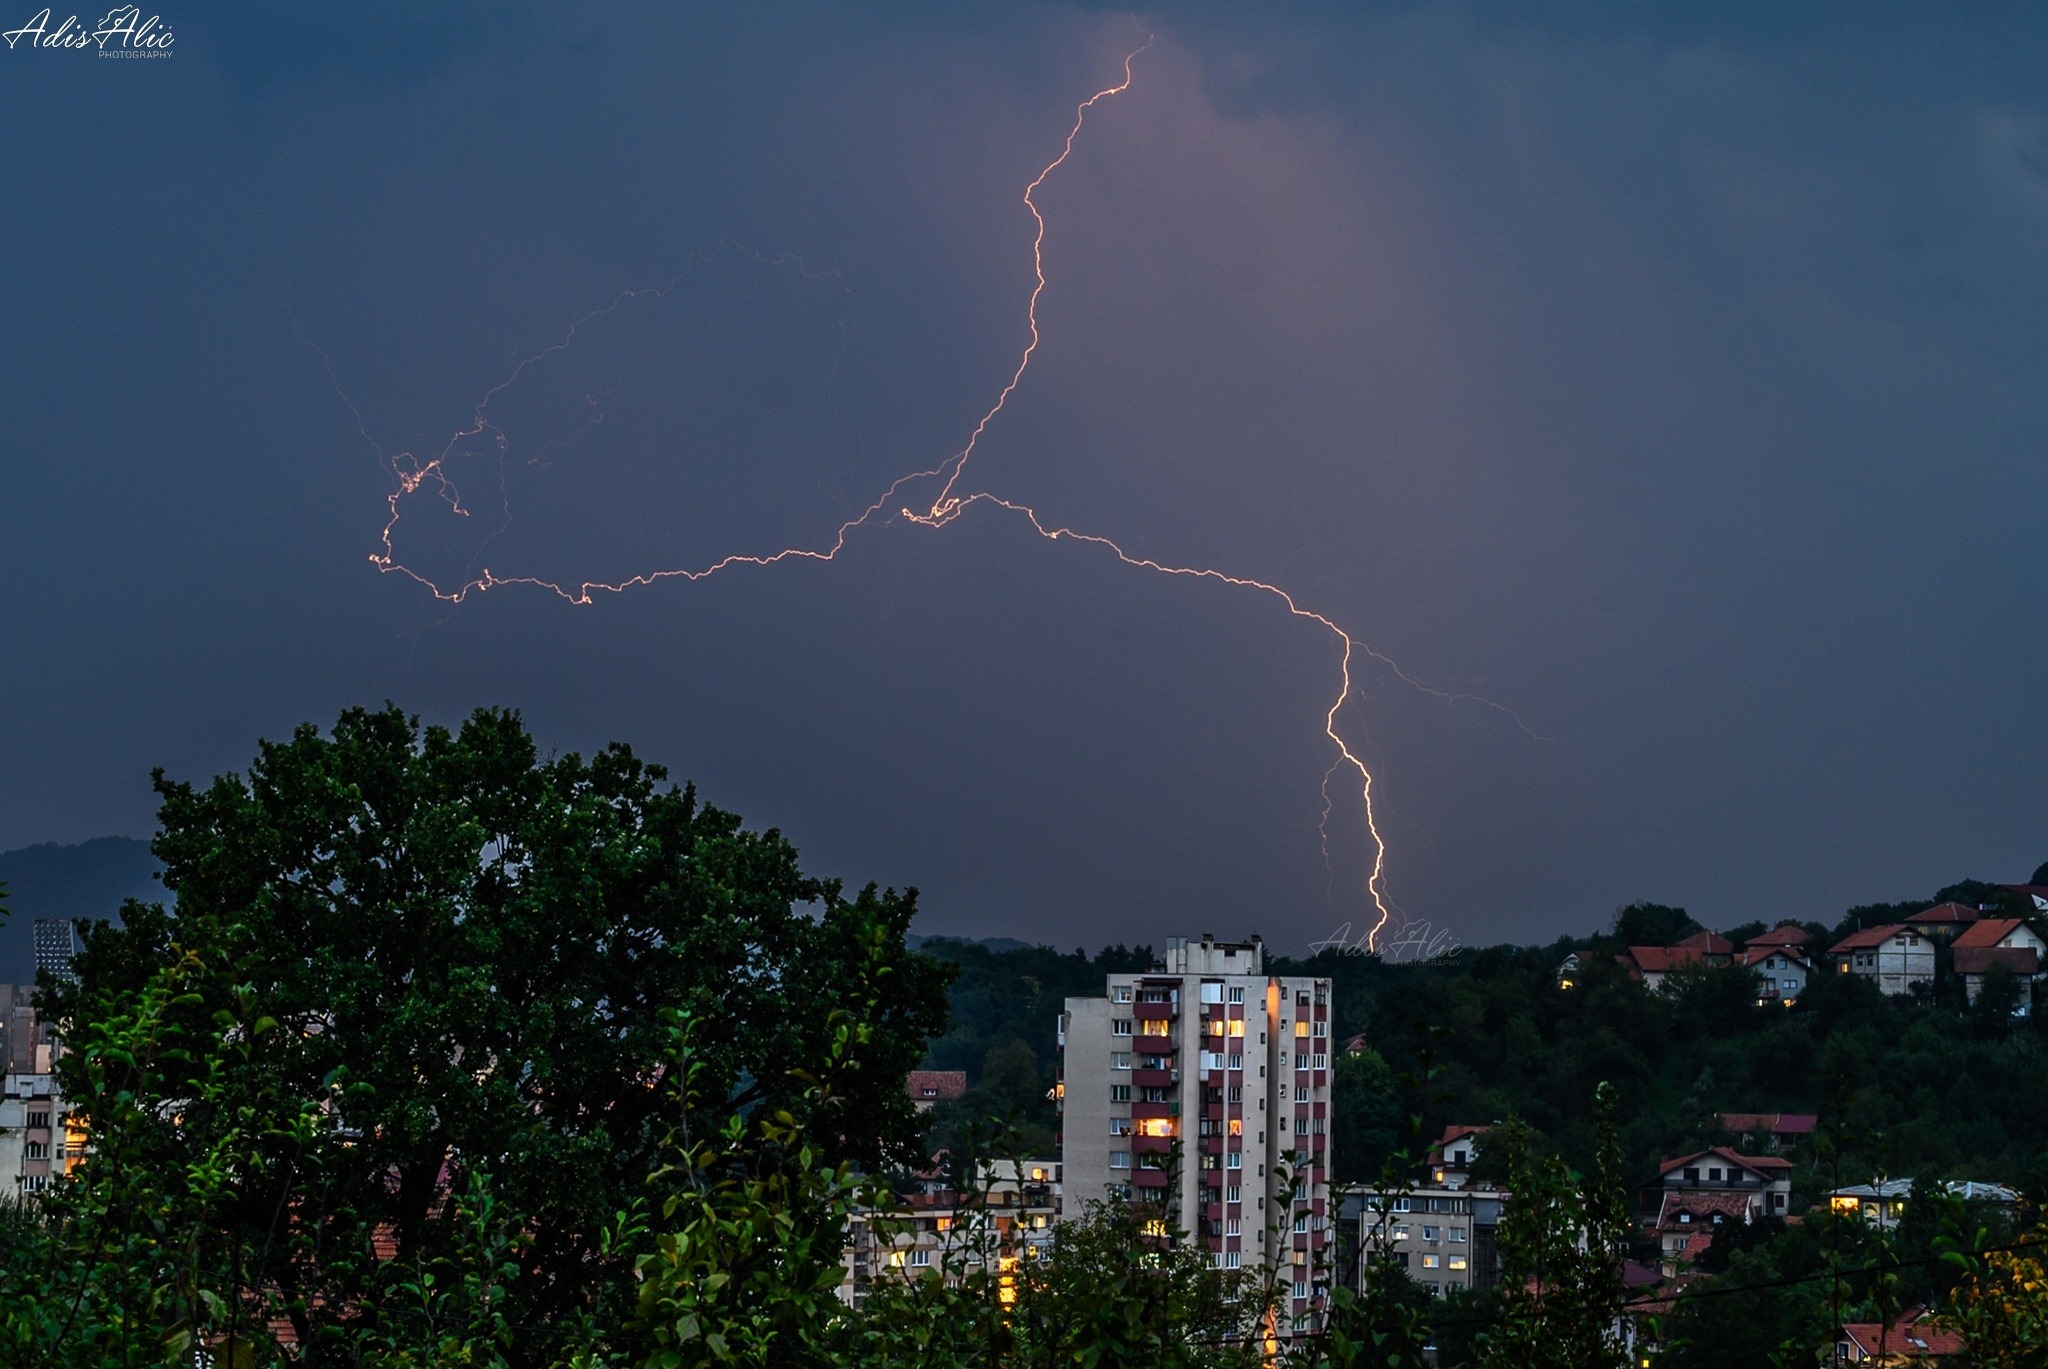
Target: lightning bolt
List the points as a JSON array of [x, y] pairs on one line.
[[412, 475]]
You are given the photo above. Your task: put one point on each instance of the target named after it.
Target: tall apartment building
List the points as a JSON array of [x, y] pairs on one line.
[[56, 942], [1209, 1056]]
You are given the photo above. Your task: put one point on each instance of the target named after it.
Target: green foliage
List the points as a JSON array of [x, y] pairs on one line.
[[1562, 1242]]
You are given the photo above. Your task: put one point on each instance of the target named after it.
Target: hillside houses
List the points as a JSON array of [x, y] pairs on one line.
[[1947, 944]]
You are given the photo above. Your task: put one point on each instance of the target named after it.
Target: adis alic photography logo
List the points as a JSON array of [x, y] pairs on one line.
[[125, 32]]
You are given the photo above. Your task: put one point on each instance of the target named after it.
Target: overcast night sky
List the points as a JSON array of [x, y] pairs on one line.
[[1676, 382]]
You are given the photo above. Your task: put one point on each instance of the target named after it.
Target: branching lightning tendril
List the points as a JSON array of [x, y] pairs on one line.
[[412, 476]]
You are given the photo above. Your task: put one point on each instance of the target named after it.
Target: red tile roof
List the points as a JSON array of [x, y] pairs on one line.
[[1757, 955], [1913, 1336], [1755, 1162], [1642, 960], [929, 1085], [1785, 934], [1988, 932], [1870, 938], [1702, 1207], [1706, 943], [1949, 914]]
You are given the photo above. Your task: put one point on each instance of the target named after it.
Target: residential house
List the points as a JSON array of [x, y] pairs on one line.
[[1881, 1203], [1913, 1339], [2037, 894], [1452, 1155], [1652, 964], [2000, 943], [1443, 1237], [1781, 972], [1763, 1181], [1786, 936], [1944, 921], [929, 1087], [1884, 1201], [1689, 1219], [1777, 1130], [1568, 971], [1896, 958]]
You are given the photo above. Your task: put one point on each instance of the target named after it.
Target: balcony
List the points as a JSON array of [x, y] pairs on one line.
[[1155, 1012]]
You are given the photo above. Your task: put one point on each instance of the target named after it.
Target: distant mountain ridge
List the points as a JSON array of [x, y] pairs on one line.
[[89, 879]]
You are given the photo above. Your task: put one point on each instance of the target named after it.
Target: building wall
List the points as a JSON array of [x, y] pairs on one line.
[[1204, 1076]]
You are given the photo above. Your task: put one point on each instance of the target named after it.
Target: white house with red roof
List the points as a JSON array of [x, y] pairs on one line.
[[2000, 943], [1895, 957], [1912, 1339], [1651, 964], [1781, 972], [1944, 921], [1764, 1182]]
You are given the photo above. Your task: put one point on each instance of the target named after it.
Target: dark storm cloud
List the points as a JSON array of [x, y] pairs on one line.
[[1674, 379]]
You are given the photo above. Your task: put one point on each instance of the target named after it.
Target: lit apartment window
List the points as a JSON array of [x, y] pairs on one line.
[[1432, 1261], [1156, 1027], [1120, 1026], [1237, 1126], [1218, 1027], [1457, 1262], [1119, 1093], [1301, 1030], [1119, 1060], [1119, 1126], [1156, 1126], [1237, 1026], [1119, 1159]]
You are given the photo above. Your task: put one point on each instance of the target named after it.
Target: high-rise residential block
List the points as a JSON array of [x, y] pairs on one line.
[[1203, 1086]]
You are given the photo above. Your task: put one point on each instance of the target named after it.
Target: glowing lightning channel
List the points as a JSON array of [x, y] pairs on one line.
[[412, 475]]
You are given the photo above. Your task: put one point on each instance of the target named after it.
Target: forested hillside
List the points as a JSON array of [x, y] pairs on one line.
[[1938, 1089]]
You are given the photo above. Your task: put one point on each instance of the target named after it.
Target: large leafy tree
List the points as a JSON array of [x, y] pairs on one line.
[[446, 958]]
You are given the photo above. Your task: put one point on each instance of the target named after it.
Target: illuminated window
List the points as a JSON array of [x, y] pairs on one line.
[[1237, 1026], [1432, 1261], [1156, 1126], [1301, 1030], [1155, 1226], [1457, 1262], [1237, 1126]]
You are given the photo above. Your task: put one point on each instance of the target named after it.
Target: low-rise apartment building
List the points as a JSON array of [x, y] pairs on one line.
[[1005, 1221], [1443, 1236], [1896, 958]]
